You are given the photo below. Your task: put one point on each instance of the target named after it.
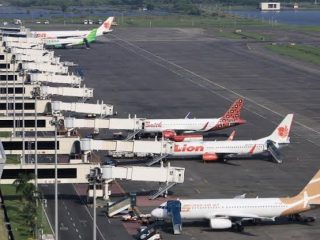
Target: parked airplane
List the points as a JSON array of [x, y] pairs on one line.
[[170, 128], [214, 150], [70, 42], [103, 29], [228, 213]]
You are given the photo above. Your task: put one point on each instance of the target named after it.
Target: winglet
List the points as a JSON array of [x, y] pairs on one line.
[[230, 138]]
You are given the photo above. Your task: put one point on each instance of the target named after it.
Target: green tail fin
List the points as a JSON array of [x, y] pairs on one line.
[[92, 36]]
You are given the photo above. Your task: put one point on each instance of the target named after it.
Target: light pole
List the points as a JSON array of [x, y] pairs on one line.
[[36, 95], [23, 120], [94, 177], [55, 122]]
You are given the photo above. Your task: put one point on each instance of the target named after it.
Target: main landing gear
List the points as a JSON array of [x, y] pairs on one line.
[[238, 227], [299, 218]]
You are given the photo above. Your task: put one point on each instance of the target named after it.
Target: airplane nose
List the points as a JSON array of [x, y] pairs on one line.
[[157, 213]]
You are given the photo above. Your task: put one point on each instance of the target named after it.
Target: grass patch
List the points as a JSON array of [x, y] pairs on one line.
[[173, 20], [232, 34], [17, 220], [3, 229], [302, 52], [228, 34], [5, 134], [188, 21], [254, 36], [13, 159]]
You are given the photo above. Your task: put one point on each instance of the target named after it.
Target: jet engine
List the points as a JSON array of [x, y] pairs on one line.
[[220, 223], [210, 157], [188, 137], [168, 134]]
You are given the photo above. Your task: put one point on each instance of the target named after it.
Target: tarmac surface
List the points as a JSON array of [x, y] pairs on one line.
[[166, 73]]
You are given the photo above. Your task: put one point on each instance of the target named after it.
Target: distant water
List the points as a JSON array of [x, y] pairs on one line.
[[296, 17], [23, 13]]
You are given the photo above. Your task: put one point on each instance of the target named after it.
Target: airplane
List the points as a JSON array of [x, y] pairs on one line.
[[71, 42], [215, 150], [103, 29], [228, 213], [171, 128]]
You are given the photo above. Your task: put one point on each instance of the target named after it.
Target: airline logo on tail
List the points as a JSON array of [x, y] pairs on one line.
[[283, 132], [108, 23], [231, 117], [105, 26], [234, 111], [309, 197]]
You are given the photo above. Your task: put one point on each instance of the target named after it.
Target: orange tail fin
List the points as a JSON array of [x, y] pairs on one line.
[[235, 110]]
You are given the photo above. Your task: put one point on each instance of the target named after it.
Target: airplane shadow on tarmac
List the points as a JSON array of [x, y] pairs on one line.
[[227, 160], [204, 225]]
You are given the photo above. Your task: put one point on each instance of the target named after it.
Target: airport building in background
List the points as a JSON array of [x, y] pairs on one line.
[[270, 6]]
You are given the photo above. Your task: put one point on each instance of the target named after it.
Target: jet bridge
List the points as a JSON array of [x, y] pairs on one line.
[[45, 92], [24, 45], [30, 40], [129, 148], [45, 67], [37, 59], [133, 124], [90, 109], [81, 92], [33, 52], [55, 78], [168, 175]]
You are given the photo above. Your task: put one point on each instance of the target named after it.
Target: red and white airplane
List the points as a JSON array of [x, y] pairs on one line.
[[171, 128], [214, 150], [103, 29]]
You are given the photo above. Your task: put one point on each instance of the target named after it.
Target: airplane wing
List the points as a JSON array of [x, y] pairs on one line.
[[241, 196], [243, 216], [156, 159], [314, 202]]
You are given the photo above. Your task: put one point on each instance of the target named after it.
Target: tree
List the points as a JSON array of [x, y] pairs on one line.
[[28, 199], [63, 6], [22, 183]]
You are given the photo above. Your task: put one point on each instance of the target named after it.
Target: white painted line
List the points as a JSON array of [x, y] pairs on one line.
[[85, 206], [210, 82], [45, 213]]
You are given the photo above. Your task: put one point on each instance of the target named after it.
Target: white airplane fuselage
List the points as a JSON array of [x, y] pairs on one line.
[[246, 208], [200, 148], [206, 208], [160, 125], [60, 34]]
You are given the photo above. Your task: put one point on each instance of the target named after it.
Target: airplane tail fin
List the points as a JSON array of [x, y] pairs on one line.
[[282, 131], [311, 192], [105, 26], [313, 186], [231, 137], [235, 110], [308, 198], [232, 117]]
